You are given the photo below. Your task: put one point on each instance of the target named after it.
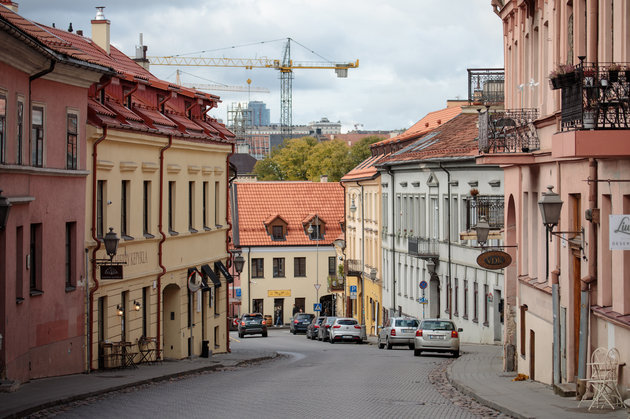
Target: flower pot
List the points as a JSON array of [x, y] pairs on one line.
[[603, 82], [555, 83]]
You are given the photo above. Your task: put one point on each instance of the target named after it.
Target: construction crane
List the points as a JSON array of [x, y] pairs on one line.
[[285, 66], [221, 87]]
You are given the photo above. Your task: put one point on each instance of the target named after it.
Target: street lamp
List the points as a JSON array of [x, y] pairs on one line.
[[310, 231], [5, 206], [353, 209], [239, 262], [482, 229], [111, 243]]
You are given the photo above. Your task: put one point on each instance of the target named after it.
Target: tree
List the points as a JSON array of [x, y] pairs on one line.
[[361, 150], [330, 158]]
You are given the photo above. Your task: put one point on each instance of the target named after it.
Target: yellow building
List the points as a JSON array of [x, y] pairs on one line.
[[363, 245], [158, 179]]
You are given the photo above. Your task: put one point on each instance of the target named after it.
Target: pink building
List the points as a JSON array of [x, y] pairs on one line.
[[568, 292], [43, 108]]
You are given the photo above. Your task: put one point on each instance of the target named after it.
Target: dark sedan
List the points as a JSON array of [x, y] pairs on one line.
[[300, 322], [252, 324], [313, 329]]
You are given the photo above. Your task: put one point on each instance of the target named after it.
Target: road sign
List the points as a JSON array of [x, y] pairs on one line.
[[317, 286], [353, 289], [423, 300], [423, 284], [317, 307], [238, 292]]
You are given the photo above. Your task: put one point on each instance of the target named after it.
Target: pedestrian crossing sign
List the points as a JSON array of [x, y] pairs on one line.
[[317, 307]]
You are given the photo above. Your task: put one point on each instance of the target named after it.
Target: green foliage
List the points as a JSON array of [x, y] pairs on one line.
[[306, 159]]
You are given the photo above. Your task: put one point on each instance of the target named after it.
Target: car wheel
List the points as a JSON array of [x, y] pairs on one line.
[[293, 332], [264, 334], [417, 352], [331, 340], [240, 335], [412, 346], [359, 341], [455, 354], [381, 345], [389, 345]]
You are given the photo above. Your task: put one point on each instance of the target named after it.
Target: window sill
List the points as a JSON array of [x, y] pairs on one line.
[[19, 300], [456, 314], [173, 233], [475, 320], [192, 231], [35, 293], [486, 324], [207, 228], [218, 226], [280, 276], [148, 236], [127, 238], [71, 288]]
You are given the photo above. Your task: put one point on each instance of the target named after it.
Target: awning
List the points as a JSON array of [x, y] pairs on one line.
[[209, 273], [219, 265]]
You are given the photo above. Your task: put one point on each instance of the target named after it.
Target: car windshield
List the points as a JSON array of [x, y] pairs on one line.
[[437, 325], [304, 316], [347, 322], [406, 323], [252, 317], [330, 320]]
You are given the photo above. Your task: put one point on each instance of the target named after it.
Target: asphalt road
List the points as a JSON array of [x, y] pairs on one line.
[[311, 380]]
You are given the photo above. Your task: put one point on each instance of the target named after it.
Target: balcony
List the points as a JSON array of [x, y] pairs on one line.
[[596, 97], [335, 284], [422, 247], [353, 267], [485, 86], [509, 131], [488, 206]]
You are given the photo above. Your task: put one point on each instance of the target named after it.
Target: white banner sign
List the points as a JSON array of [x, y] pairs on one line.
[[619, 232]]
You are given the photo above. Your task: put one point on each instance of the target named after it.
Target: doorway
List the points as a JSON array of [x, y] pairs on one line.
[[498, 315], [172, 322], [434, 297], [102, 326], [278, 311], [577, 284], [532, 355]]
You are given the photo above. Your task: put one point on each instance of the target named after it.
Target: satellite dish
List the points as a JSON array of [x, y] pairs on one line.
[[194, 281]]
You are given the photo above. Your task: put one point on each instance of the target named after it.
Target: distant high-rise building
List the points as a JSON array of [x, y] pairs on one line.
[[260, 113]]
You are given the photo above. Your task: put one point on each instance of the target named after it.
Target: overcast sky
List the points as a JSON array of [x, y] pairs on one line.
[[413, 54]]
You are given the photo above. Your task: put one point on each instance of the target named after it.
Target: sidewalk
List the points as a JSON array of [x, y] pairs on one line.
[[478, 373], [46, 392]]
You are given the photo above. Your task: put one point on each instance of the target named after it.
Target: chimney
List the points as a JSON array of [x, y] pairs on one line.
[[100, 30], [141, 55], [10, 5], [323, 178]]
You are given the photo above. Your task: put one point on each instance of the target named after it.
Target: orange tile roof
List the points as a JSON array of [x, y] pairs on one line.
[[257, 202], [365, 170], [455, 138], [431, 121]]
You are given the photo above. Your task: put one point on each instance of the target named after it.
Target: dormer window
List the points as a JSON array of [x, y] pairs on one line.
[[277, 232], [314, 232], [276, 227], [314, 227]]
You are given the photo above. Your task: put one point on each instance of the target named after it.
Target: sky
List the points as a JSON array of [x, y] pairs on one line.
[[413, 54]]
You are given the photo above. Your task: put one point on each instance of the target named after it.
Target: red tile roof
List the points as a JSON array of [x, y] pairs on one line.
[[365, 170], [455, 138], [258, 202]]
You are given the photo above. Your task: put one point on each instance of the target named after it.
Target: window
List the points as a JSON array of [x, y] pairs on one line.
[[332, 268], [475, 302], [277, 232], [146, 209], [70, 258], [19, 264], [278, 267], [71, 141], [215, 296], [191, 207], [37, 129], [20, 132], [3, 128], [523, 328], [456, 298], [124, 208], [299, 266], [124, 296], [384, 211], [35, 259], [100, 208], [171, 208], [216, 204], [258, 268], [145, 311], [204, 205], [316, 234], [465, 299]]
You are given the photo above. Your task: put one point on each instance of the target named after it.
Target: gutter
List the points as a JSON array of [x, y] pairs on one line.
[[228, 187], [448, 236], [96, 248], [161, 243]]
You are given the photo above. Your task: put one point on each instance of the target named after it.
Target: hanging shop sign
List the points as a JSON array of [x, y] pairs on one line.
[[494, 259], [111, 271], [619, 231]]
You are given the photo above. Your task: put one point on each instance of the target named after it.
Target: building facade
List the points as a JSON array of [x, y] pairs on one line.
[[568, 288], [285, 233], [43, 171]]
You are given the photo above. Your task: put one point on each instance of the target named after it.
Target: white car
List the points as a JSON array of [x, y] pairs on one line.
[[437, 335], [398, 331], [345, 328]]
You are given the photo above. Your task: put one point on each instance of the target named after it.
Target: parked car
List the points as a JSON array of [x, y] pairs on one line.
[[437, 335], [313, 329], [300, 322], [252, 324], [324, 328], [345, 328], [398, 331]]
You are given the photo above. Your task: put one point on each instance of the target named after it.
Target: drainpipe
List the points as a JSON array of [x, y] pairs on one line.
[[591, 278], [161, 243], [227, 245], [363, 299], [249, 280], [448, 235], [98, 245], [393, 250], [555, 296]]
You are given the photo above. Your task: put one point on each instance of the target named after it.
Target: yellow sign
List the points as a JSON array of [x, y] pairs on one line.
[[278, 293]]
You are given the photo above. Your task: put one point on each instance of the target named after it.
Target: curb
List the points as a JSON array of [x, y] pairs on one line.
[[471, 393], [157, 379]]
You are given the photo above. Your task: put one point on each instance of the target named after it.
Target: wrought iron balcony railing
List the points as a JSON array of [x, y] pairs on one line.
[[353, 267], [486, 85], [422, 247], [335, 284], [509, 131], [596, 97], [487, 206]]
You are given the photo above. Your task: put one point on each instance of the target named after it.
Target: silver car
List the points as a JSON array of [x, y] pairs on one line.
[[345, 328], [398, 331], [437, 335], [324, 328]]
